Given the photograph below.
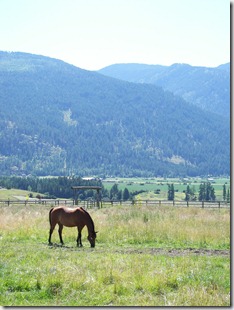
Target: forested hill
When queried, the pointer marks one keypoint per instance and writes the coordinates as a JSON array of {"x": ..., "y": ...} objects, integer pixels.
[
  {"x": 56, "y": 119},
  {"x": 207, "y": 88}
]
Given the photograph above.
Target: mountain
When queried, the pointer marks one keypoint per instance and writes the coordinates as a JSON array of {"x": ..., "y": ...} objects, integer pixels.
[
  {"x": 57, "y": 119},
  {"x": 207, "y": 88}
]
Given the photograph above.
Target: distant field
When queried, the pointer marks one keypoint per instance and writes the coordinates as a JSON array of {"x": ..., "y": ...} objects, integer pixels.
[
  {"x": 150, "y": 185},
  {"x": 153, "y": 184},
  {"x": 12, "y": 194}
]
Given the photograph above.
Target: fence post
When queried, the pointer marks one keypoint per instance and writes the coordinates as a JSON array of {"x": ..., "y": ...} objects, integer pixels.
[
  {"x": 187, "y": 203},
  {"x": 202, "y": 203}
]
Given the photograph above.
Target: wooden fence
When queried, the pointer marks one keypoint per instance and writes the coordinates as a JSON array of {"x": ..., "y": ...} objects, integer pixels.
[{"x": 108, "y": 203}]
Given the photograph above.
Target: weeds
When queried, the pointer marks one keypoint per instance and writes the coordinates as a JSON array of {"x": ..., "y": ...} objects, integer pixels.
[{"x": 35, "y": 274}]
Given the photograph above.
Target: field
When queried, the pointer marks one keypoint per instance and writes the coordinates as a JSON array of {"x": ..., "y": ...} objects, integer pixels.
[
  {"x": 144, "y": 256},
  {"x": 13, "y": 194},
  {"x": 153, "y": 184}
]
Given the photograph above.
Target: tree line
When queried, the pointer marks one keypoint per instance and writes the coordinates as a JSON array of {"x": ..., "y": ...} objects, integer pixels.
[
  {"x": 206, "y": 193},
  {"x": 61, "y": 187}
]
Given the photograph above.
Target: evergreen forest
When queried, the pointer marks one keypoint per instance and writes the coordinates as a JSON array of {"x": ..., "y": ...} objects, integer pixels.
[{"x": 59, "y": 120}]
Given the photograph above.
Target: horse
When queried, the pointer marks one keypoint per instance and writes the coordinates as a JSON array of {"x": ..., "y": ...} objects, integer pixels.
[{"x": 70, "y": 218}]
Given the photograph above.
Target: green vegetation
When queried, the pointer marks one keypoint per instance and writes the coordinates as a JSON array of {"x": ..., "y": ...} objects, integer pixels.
[
  {"x": 157, "y": 188},
  {"x": 208, "y": 88},
  {"x": 50, "y": 187},
  {"x": 56, "y": 119},
  {"x": 143, "y": 257},
  {"x": 120, "y": 189}
]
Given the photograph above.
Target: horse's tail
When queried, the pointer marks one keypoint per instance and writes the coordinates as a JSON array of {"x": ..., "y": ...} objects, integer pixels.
[{"x": 50, "y": 215}]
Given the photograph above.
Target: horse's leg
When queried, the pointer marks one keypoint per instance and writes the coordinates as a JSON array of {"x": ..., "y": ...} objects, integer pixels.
[
  {"x": 50, "y": 234},
  {"x": 60, "y": 232},
  {"x": 79, "y": 243}
]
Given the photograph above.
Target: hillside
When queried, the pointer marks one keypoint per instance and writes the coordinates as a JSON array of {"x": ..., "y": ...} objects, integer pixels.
[
  {"x": 207, "y": 88},
  {"x": 57, "y": 119}
]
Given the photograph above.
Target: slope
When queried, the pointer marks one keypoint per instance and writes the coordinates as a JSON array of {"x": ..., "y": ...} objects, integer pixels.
[
  {"x": 207, "y": 88},
  {"x": 56, "y": 119}
]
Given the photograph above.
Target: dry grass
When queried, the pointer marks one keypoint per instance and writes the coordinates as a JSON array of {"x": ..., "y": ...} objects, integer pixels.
[
  {"x": 170, "y": 226},
  {"x": 35, "y": 274}
]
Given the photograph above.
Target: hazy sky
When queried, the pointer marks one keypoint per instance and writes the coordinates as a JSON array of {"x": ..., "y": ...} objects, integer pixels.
[{"x": 92, "y": 34}]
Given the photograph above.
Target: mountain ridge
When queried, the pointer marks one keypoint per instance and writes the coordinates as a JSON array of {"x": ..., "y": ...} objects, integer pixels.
[
  {"x": 205, "y": 87},
  {"x": 58, "y": 119}
]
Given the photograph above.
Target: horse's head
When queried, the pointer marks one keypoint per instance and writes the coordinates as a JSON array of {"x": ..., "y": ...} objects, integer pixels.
[{"x": 91, "y": 237}]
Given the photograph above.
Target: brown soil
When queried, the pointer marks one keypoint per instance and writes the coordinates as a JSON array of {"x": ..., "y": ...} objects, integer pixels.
[
  {"x": 175, "y": 252},
  {"x": 155, "y": 251}
]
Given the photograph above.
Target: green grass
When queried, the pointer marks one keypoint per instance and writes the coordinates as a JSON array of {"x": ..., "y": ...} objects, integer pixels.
[
  {"x": 123, "y": 269},
  {"x": 152, "y": 184},
  {"x": 147, "y": 184},
  {"x": 12, "y": 194}
]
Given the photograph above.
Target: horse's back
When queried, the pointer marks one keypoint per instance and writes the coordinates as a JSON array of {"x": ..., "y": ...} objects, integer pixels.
[{"x": 69, "y": 217}]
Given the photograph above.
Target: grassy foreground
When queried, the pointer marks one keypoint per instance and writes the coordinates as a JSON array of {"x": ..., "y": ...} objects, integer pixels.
[{"x": 125, "y": 268}]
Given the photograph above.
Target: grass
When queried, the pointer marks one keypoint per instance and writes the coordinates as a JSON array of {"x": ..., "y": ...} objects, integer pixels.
[
  {"x": 121, "y": 270},
  {"x": 12, "y": 194},
  {"x": 152, "y": 184}
]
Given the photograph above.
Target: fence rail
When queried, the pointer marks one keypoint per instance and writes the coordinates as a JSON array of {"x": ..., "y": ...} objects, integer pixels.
[{"x": 107, "y": 203}]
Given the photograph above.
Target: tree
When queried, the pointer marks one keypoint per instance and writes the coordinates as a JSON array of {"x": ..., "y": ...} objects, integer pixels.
[
  {"x": 114, "y": 191},
  {"x": 206, "y": 192},
  {"x": 202, "y": 191},
  {"x": 171, "y": 192},
  {"x": 224, "y": 192},
  {"x": 228, "y": 195},
  {"x": 190, "y": 193},
  {"x": 187, "y": 193},
  {"x": 126, "y": 194}
]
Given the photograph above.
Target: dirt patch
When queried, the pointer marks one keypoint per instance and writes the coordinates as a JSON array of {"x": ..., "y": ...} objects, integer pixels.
[
  {"x": 175, "y": 252},
  {"x": 152, "y": 251}
]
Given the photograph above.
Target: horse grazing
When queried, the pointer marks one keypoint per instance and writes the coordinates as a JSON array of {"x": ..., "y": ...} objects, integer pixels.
[{"x": 71, "y": 218}]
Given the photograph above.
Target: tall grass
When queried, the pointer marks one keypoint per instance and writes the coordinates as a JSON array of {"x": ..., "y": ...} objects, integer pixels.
[
  {"x": 165, "y": 226},
  {"x": 118, "y": 271}
]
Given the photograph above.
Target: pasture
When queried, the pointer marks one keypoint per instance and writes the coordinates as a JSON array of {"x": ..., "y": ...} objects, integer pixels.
[
  {"x": 144, "y": 256},
  {"x": 150, "y": 185}
]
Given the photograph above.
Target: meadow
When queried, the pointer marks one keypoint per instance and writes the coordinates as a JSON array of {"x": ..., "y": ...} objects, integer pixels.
[
  {"x": 150, "y": 185},
  {"x": 144, "y": 256}
]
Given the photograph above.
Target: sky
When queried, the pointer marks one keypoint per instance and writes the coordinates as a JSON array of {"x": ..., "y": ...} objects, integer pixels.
[{"x": 92, "y": 34}]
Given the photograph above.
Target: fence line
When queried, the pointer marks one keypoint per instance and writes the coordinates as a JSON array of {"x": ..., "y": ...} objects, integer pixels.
[{"x": 107, "y": 203}]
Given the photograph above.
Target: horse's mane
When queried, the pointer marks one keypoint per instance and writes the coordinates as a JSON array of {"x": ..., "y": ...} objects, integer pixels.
[{"x": 88, "y": 216}]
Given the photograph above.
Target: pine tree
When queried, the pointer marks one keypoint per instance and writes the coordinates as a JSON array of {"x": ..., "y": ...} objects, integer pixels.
[
  {"x": 224, "y": 192},
  {"x": 206, "y": 192},
  {"x": 126, "y": 194},
  {"x": 187, "y": 193},
  {"x": 202, "y": 191},
  {"x": 228, "y": 196},
  {"x": 171, "y": 192},
  {"x": 114, "y": 192}
]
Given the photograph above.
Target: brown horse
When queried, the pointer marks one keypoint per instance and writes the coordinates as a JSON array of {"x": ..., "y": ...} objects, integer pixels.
[{"x": 71, "y": 218}]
